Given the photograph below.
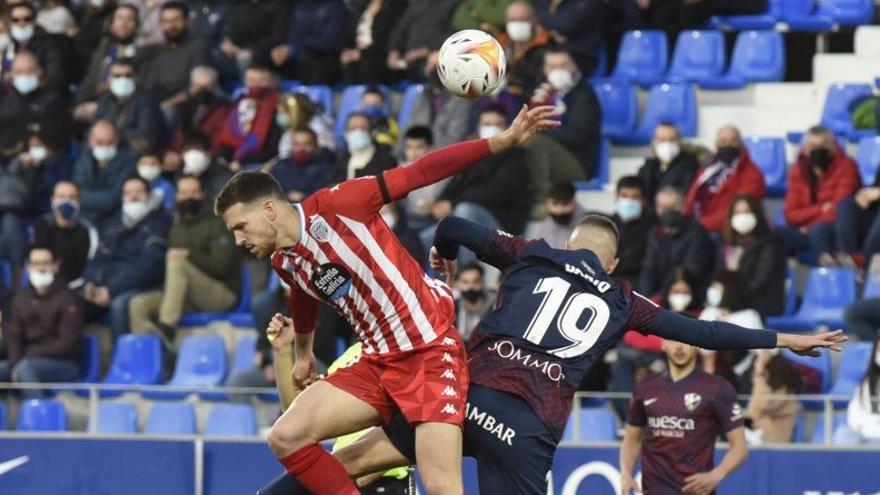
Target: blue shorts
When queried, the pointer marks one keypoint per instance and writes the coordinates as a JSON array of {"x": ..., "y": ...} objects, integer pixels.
[{"x": 513, "y": 448}]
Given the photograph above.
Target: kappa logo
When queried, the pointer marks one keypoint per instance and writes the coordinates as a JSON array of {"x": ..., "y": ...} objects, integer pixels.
[
  {"x": 449, "y": 392},
  {"x": 448, "y": 374},
  {"x": 448, "y": 341},
  {"x": 447, "y": 358},
  {"x": 449, "y": 409},
  {"x": 692, "y": 401},
  {"x": 319, "y": 229}
]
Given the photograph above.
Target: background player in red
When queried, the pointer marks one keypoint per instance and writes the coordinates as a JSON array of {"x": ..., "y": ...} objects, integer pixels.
[
  {"x": 674, "y": 419},
  {"x": 335, "y": 248}
]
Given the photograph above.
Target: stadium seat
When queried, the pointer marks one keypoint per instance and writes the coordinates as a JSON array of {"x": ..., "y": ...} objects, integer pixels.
[
  {"x": 319, "y": 94},
  {"x": 835, "y": 112},
  {"x": 821, "y": 364},
  {"x": 201, "y": 362},
  {"x": 826, "y": 295},
  {"x": 243, "y": 306},
  {"x": 698, "y": 57},
  {"x": 408, "y": 104},
  {"x": 245, "y": 350},
  {"x": 758, "y": 56},
  {"x": 232, "y": 420},
  {"x": 42, "y": 415},
  {"x": 868, "y": 158},
  {"x": 847, "y": 12},
  {"x": 115, "y": 418},
  {"x": 765, "y": 20},
  {"x": 89, "y": 364},
  {"x": 801, "y": 15},
  {"x": 837, "y": 419},
  {"x": 769, "y": 155},
  {"x": 5, "y": 274},
  {"x": 620, "y": 107},
  {"x": 601, "y": 69},
  {"x": 872, "y": 285},
  {"x": 642, "y": 58},
  {"x": 3, "y": 425},
  {"x": 672, "y": 102},
  {"x": 597, "y": 424},
  {"x": 602, "y": 170},
  {"x": 246, "y": 320},
  {"x": 798, "y": 434},
  {"x": 351, "y": 101},
  {"x": 853, "y": 365},
  {"x": 137, "y": 360},
  {"x": 171, "y": 418}
]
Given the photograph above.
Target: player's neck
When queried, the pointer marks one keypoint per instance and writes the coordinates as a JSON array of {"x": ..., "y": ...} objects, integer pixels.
[
  {"x": 677, "y": 373},
  {"x": 289, "y": 228}
]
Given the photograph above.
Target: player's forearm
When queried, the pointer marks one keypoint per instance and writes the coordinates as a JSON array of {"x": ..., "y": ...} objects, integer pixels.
[
  {"x": 453, "y": 232},
  {"x": 734, "y": 458},
  {"x": 439, "y": 164},
  {"x": 283, "y": 362},
  {"x": 303, "y": 342},
  {"x": 715, "y": 335},
  {"x": 629, "y": 451}
]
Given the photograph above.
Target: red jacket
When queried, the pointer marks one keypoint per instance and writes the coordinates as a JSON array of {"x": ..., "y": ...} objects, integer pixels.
[
  {"x": 747, "y": 179},
  {"x": 839, "y": 181}
]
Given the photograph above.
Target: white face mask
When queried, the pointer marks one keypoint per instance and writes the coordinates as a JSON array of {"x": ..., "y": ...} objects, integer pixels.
[
  {"x": 629, "y": 209},
  {"x": 149, "y": 172},
  {"x": 104, "y": 153},
  {"x": 134, "y": 211},
  {"x": 666, "y": 151},
  {"x": 679, "y": 302},
  {"x": 38, "y": 153},
  {"x": 713, "y": 296},
  {"x": 122, "y": 87},
  {"x": 97, "y": 3},
  {"x": 4, "y": 41},
  {"x": 26, "y": 83},
  {"x": 560, "y": 79},
  {"x": 488, "y": 131},
  {"x": 41, "y": 280},
  {"x": 519, "y": 31},
  {"x": 22, "y": 33},
  {"x": 195, "y": 162},
  {"x": 743, "y": 223},
  {"x": 357, "y": 140}
]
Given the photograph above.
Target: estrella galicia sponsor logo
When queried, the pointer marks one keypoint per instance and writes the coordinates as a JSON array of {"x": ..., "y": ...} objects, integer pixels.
[{"x": 331, "y": 280}]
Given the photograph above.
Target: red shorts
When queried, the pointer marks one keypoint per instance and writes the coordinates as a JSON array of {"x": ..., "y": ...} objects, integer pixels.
[{"x": 427, "y": 385}]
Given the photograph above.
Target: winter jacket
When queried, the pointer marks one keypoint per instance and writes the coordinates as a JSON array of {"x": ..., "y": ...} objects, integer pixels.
[
  {"x": 212, "y": 249},
  {"x": 170, "y": 68},
  {"x": 138, "y": 118},
  {"x": 101, "y": 187},
  {"x": 680, "y": 174},
  {"x": 18, "y": 112},
  {"x": 45, "y": 326},
  {"x": 690, "y": 248},
  {"x": 806, "y": 194},
  {"x": 306, "y": 178},
  {"x": 581, "y": 126},
  {"x": 710, "y": 206},
  {"x": 633, "y": 244},
  {"x": 763, "y": 265}
]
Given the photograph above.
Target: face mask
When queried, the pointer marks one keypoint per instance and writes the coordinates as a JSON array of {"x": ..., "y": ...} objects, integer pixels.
[
  {"x": 104, "y": 153},
  {"x": 38, "y": 153},
  {"x": 22, "y": 33},
  {"x": 97, "y": 3},
  {"x": 390, "y": 219},
  {"x": 203, "y": 97},
  {"x": 488, "y": 131},
  {"x": 727, "y": 154},
  {"x": 821, "y": 157},
  {"x": 282, "y": 120},
  {"x": 301, "y": 157},
  {"x": 189, "y": 207},
  {"x": 560, "y": 79},
  {"x": 66, "y": 208},
  {"x": 666, "y": 151},
  {"x": 713, "y": 296},
  {"x": 629, "y": 209},
  {"x": 357, "y": 140},
  {"x": 26, "y": 84},
  {"x": 4, "y": 41},
  {"x": 562, "y": 218},
  {"x": 471, "y": 295},
  {"x": 122, "y": 87},
  {"x": 134, "y": 211},
  {"x": 373, "y": 111},
  {"x": 743, "y": 223},
  {"x": 41, "y": 280},
  {"x": 672, "y": 218},
  {"x": 195, "y": 162},
  {"x": 519, "y": 31},
  {"x": 149, "y": 172},
  {"x": 679, "y": 302}
]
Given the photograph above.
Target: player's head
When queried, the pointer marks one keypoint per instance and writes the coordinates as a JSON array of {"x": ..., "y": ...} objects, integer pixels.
[
  {"x": 417, "y": 142},
  {"x": 598, "y": 234},
  {"x": 678, "y": 354},
  {"x": 251, "y": 204},
  {"x": 560, "y": 203},
  {"x": 491, "y": 121},
  {"x": 469, "y": 282}
]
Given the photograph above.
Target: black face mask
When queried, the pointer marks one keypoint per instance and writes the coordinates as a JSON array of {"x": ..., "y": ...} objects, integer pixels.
[
  {"x": 562, "y": 218},
  {"x": 203, "y": 97},
  {"x": 471, "y": 295},
  {"x": 821, "y": 157},
  {"x": 189, "y": 207},
  {"x": 672, "y": 219},
  {"x": 727, "y": 154}
]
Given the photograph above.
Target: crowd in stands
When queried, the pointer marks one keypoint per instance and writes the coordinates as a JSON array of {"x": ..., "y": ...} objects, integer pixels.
[{"x": 121, "y": 121}]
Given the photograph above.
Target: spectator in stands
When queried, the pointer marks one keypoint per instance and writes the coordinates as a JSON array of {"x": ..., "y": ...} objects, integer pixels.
[
  {"x": 670, "y": 164},
  {"x": 306, "y": 170},
  {"x": 28, "y": 105},
  {"x": 366, "y": 40},
  {"x": 55, "y": 18},
  {"x": 752, "y": 249},
  {"x": 524, "y": 42},
  {"x": 773, "y": 419},
  {"x": 635, "y": 222},
  {"x": 416, "y": 35},
  {"x": 408, "y": 237},
  {"x": 362, "y": 155},
  {"x": 42, "y": 151},
  {"x": 448, "y": 116},
  {"x": 18, "y": 184},
  {"x": 863, "y": 411},
  {"x": 169, "y": 71},
  {"x": 863, "y": 318},
  {"x": 149, "y": 168},
  {"x": 310, "y": 54},
  {"x": 43, "y": 329},
  {"x": 136, "y": 114},
  {"x": 5, "y": 48},
  {"x": 101, "y": 169},
  {"x": 297, "y": 112},
  {"x": 72, "y": 238},
  {"x": 28, "y": 37},
  {"x": 822, "y": 176},
  {"x": 563, "y": 213},
  {"x": 680, "y": 295},
  {"x": 676, "y": 241},
  {"x": 672, "y": 15},
  {"x": 384, "y": 127},
  {"x": 205, "y": 110},
  {"x": 197, "y": 162},
  {"x": 576, "y": 26},
  {"x": 94, "y": 16},
  {"x": 730, "y": 172},
  {"x": 473, "y": 299},
  {"x": 581, "y": 116},
  {"x": 417, "y": 142},
  {"x": 208, "y": 19},
  {"x": 252, "y": 30},
  {"x": 486, "y": 15},
  {"x": 857, "y": 226},
  {"x": 249, "y": 135},
  {"x": 130, "y": 257},
  {"x": 201, "y": 266}
]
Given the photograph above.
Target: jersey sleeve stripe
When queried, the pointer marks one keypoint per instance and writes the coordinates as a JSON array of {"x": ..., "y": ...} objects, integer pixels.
[{"x": 383, "y": 188}]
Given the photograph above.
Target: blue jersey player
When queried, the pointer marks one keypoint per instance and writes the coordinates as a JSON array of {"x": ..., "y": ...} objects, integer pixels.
[{"x": 557, "y": 312}]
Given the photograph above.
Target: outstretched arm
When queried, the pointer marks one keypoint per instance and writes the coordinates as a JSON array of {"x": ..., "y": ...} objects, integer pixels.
[{"x": 495, "y": 247}]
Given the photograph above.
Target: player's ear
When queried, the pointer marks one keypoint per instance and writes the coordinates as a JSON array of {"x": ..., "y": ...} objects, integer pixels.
[
  {"x": 609, "y": 270},
  {"x": 270, "y": 209}
]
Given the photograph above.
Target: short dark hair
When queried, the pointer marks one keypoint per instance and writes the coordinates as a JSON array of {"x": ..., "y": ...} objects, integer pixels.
[
  {"x": 472, "y": 266},
  {"x": 556, "y": 50},
  {"x": 196, "y": 139},
  {"x": 562, "y": 192},
  {"x": 736, "y": 294},
  {"x": 420, "y": 132},
  {"x": 140, "y": 179},
  {"x": 47, "y": 247},
  {"x": 819, "y": 130},
  {"x": 176, "y": 5},
  {"x": 601, "y": 222},
  {"x": 247, "y": 187},
  {"x": 373, "y": 90},
  {"x": 125, "y": 61},
  {"x": 358, "y": 114},
  {"x": 494, "y": 108},
  {"x": 309, "y": 131},
  {"x": 67, "y": 181},
  {"x": 257, "y": 66},
  {"x": 131, "y": 7},
  {"x": 631, "y": 182}
]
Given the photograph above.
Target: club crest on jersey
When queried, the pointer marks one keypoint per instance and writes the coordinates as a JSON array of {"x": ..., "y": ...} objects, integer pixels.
[
  {"x": 331, "y": 280},
  {"x": 319, "y": 229},
  {"x": 692, "y": 401}
]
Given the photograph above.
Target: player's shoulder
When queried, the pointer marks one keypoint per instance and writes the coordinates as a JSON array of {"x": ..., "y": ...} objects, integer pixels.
[
  {"x": 717, "y": 384},
  {"x": 649, "y": 382}
]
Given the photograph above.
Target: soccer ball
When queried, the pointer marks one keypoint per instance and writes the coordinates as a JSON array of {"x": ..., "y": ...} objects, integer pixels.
[{"x": 472, "y": 63}]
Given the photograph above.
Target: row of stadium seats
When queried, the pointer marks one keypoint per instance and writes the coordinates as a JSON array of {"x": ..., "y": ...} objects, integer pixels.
[{"x": 803, "y": 15}]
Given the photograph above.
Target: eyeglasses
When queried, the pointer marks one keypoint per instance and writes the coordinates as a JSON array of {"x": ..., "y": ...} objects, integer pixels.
[{"x": 22, "y": 20}]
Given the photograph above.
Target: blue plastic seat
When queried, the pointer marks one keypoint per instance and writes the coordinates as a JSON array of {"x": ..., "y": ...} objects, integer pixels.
[
  {"x": 764, "y": 20},
  {"x": 408, "y": 103},
  {"x": 351, "y": 101},
  {"x": 835, "y": 113},
  {"x": 837, "y": 419},
  {"x": 769, "y": 155},
  {"x": 171, "y": 418},
  {"x": 89, "y": 364},
  {"x": 6, "y": 274},
  {"x": 602, "y": 170},
  {"x": 245, "y": 350},
  {"x": 848, "y": 12},
  {"x": 201, "y": 362},
  {"x": 802, "y": 15},
  {"x": 673, "y": 102},
  {"x": 868, "y": 158},
  {"x": 243, "y": 306},
  {"x": 137, "y": 360},
  {"x": 601, "y": 69},
  {"x": 698, "y": 57},
  {"x": 799, "y": 435},
  {"x": 826, "y": 295},
  {"x": 620, "y": 107},
  {"x": 42, "y": 415},
  {"x": 758, "y": 56},
  {"x": 872, "y": 286},
  {"x": 821, "y": 364},
  {"x": 115, "y": 418},
  {"x": 232, "y": 420},
  {"x": 642, "y": 58},
  {"x": 853, "y": 364},
  {"x": 319, "y": 94},
  {"x": 3, "y": 425}
]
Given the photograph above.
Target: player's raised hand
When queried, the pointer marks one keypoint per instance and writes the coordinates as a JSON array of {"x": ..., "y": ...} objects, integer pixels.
[
  {"x": 524, "y": 126},
  {"x": 280, "y": 332},
  {"x": 628, "y": 484},
  {"x": 809, "y": 345},
  {"x": 443, "y": 266}
]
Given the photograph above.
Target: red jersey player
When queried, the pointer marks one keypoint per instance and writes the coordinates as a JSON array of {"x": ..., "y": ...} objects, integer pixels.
[{"x": 335, "y": 248}]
